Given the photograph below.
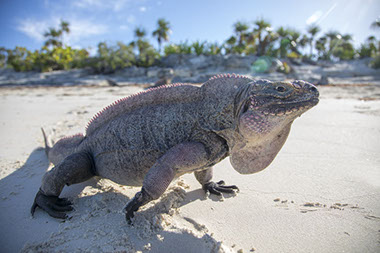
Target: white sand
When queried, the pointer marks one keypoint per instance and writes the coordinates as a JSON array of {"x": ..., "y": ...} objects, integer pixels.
[{"x": 321, "y": 194}]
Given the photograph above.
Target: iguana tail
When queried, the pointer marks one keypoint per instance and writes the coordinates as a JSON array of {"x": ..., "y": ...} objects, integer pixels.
[
  {"x": 47, "y": 147},
  {"x": 62, "y": 148}
]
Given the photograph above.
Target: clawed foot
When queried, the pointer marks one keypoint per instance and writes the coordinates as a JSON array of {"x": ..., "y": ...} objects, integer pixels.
[
  {"x": 140, "y": 199},
  {"x": 54, "y": 206},
  {"x": 219, "y": 187}
]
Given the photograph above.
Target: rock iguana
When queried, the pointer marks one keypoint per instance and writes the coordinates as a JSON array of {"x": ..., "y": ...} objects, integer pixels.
[{"x": 150, "y": 138}]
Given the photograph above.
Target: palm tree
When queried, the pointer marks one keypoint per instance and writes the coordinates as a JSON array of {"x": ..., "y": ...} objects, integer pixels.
[
  {"x": 376, "y": 24},
  {"x": 344, "y": 49},
  {"x": 369, "y": 47},
  {"x": 295, "y": 41},
  {"x": 64, "y": 28},
  {"x": 230, "y": 42},
  {"x": 258, "y": 32},
  {"x": 312, "y": 30},
  {"x": 140, "y": 33},
  {"x": 304, "y": 40},
  {"x": 162, "y": 32},
  {"x": 333, "y": 37},
  {"x": 55, "y": 36},
  {"x": 240, "y": 29},
  {"x": 320, "y": 45},
  {"x": 283, "y": 35}
]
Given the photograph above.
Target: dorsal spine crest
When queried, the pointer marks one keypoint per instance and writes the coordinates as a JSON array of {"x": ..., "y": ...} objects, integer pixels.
[
  {"x": 233, "y": 75},
  {"x": 102, "y": 114}
]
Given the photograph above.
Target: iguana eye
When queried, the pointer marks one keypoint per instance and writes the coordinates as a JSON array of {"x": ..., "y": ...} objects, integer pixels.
[{"x": 280, "y": 88}]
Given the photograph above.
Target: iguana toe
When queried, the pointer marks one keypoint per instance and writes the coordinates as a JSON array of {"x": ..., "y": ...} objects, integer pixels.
[
  {"x": 53, "y": 205},
  {"x": 219, "y": 187},
  {"x": 140, "y": 199}
]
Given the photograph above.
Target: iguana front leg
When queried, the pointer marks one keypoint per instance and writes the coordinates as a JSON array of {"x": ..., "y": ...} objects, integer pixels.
[
  {"x": 181, "y": 158},
  {"x": 204, "y": 178}
]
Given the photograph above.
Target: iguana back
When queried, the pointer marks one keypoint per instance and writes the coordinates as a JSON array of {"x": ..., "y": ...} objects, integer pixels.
[{"x": 161, "y": 95}]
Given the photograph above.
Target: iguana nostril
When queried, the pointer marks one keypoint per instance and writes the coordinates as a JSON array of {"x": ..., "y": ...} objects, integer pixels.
[{"x": 313, "y": 89}]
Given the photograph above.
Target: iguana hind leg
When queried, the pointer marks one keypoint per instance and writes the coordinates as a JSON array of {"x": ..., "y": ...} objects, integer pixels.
[
  {"x": 74, "y": 169},
  {"x": 204, "y": 178}
]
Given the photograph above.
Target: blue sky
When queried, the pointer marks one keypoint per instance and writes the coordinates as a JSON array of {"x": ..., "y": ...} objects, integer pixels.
[{"x": 22, "y": 23}]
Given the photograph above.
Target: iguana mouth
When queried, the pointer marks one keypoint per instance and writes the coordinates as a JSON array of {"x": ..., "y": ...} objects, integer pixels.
[
  {"x": 280, "y": 109},
  {"x": 309, "y": 102}
]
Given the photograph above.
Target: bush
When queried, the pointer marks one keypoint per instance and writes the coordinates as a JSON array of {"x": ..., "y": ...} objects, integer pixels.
[
  {"x": 171, "y": 49},
  {"x": 344, "y": 51},
  {"x": 110, "y": 59},
  {"x": 58, "y": 58},
  {"x": 196, "y": 47},
  {"x": 375, "y": 63},
  {"x": 364, "y": 51},
  {"x": 199, "y": 47},
  {"x": 3, "y": 57},
  {"x": 147, "y": 54},
  {"x": 213, "y": 49},
  {"x": 20, "y": 59},
  {"x": 181, "y": 48}
]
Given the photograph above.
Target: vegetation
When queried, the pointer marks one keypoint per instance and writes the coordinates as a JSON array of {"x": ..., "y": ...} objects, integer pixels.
[
  {"x": 312, "y": 30},
  {"x": 111, "y": 58},
  {"x": 58, "y": 58},
  {"x": 256, "y": 38},
  {"x": 55, "y": 36},
  {"x": 162, "y": 32}
]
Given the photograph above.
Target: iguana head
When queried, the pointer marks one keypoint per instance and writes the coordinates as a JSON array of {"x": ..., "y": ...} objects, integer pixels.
[
  {"x": 264, "y": 106},
  {"x": 264, "y": 113}
]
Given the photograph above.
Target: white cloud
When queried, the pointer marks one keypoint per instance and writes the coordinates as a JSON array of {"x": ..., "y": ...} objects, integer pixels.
[
  {"x": 33, "y": 29},
  {"x": 142, "y": 8},
  {"x": 88, "y": 3},
  {"x": 79, "y": 29},
  {"x": 131, "y": 19},
  {"x": 124, "y": 27},
  {"x": 115, "y": 5}
]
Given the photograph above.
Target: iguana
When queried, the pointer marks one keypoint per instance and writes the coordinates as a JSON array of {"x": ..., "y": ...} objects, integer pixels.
[{"x": 150, "y": 138}]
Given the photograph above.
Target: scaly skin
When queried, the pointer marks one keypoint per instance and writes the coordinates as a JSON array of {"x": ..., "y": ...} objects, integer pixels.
[{"x": 149, "y": 139}]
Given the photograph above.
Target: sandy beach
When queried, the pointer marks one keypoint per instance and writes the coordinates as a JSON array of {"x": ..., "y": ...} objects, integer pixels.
[{"x": 321, "y": 193}]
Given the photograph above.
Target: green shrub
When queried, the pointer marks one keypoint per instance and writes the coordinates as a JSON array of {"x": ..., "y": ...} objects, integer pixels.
[
  {"x": 199, "y": 47},
  {"x": 147, "y": 54},
  {"x": 184, "y": 48},
  {"x": 364, "y": 51},
  {"x": 213, "y": 49},
  {"x": 110, "y": 59},
  {"x": 171, "y": 49},
  {"x": 58, "y": 58},
  {"x": 375, "y": 63},
  {"x": 20, "y": 59},
  {"x": 181, "y": 48},
  {"x": 3, "y": 57},
  {"x": 344, "y": 51}
]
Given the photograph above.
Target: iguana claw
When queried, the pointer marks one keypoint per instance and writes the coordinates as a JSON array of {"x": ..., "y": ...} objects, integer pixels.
[
  {"x": 53, "y": 205},
  {"x": 140, "y": 199},
  {"x": 219, "y": 187}
]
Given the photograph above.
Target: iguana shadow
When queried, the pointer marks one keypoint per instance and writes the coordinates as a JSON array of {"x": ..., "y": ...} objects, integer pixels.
[{"x": 17, "y": 191}]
